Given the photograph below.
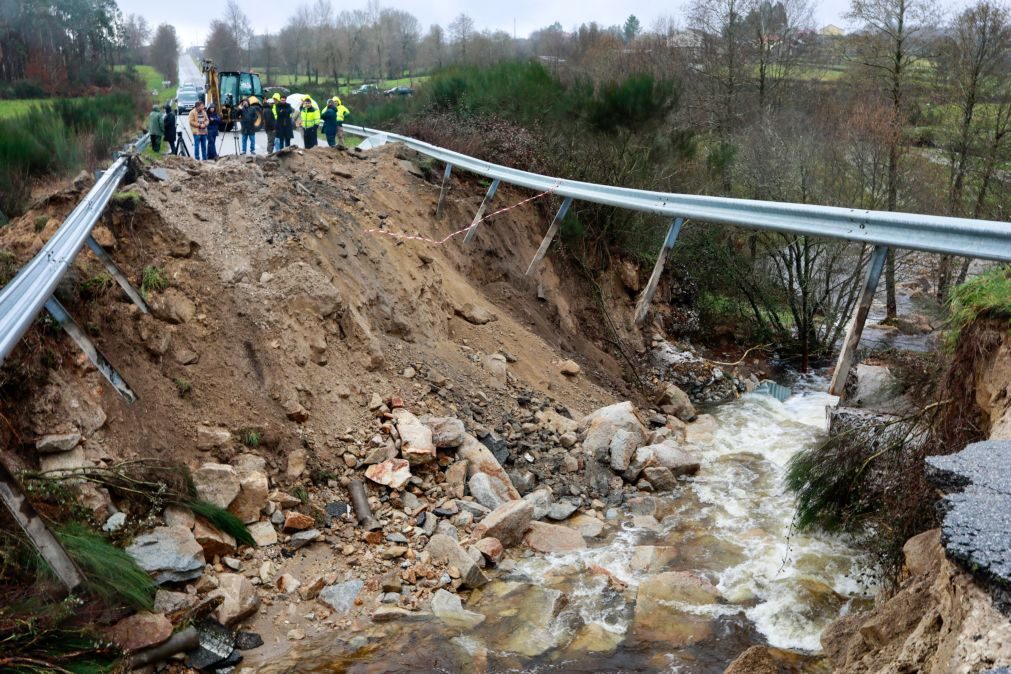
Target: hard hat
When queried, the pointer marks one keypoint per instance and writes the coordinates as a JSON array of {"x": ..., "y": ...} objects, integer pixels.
[
  {"x": 277, "y": 96},
  {"x": 253, "y": 100},
  {"x": 335, "y": 99}
]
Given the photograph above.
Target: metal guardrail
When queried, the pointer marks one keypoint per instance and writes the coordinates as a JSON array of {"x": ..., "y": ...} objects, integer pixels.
[
  {"x": 984, "y": 239},
  {"x": 26, "y": 294}
]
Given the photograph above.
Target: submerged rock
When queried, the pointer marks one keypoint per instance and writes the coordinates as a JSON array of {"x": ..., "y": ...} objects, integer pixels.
[
  {"x": 524, "y": 615},
  {"x": 447, "y": 607},
  {"x": 657, "y": 617}
]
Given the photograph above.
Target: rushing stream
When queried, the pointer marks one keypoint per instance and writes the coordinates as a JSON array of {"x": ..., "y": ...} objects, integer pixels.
[{"x": 725, "y": 538}]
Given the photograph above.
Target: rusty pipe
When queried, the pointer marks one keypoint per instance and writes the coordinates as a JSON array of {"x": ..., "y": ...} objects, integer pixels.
[{"x": 360, "y": 502}]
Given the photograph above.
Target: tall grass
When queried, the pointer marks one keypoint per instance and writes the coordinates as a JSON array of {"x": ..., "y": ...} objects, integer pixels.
[
  {"x": 987, "y": 296},
  {"x": 56, "y": 138}
]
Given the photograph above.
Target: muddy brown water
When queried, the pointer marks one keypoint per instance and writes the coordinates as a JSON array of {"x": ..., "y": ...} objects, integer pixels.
[{"x": 751, "y": 579}]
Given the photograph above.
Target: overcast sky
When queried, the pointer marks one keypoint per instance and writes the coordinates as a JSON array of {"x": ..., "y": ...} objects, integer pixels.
[{"x": 191, "y": 17}]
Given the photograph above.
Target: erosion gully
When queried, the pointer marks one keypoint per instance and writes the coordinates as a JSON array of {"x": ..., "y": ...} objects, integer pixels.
[{"x": 731, "y": 524}]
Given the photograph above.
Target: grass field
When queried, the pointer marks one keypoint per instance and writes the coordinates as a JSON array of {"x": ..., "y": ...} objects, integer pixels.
[
  {"x": 152, "y": 80},
  {"x": 19, "y": 107}
]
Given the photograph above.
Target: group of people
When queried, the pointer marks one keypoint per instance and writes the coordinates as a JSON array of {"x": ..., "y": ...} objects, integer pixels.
[
  {"x": 279, "y": 120},
  {"x": 275, "y": 115}
]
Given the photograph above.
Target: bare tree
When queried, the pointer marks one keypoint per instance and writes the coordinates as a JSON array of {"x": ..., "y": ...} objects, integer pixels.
[
  {"x": 242, "y": 31},
  {"x": 460, "y": 32},
  {"x": 165, "y": 52},
  {"x": 974, "y": 59},
  {"x": 722, "y": 63},
  {"x": 136, "y": 34},
  {"x": 774, "y": 31},
  {"x": 887, "y": 51},
  {"x": 221, "y": 46},
  {"x": 433, "y": 47}
]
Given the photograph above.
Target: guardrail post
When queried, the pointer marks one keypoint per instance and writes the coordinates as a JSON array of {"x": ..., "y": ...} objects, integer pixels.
[
  {"x": 442, "y": 192},
  {"x": 480, "y": 211},
  {"x": 856, "y": 326},
  {"x": 35, "y": 529},
  {"x": 549, "y": 237},
  {"x": 654, "y": 279},
  {"x": 61, "y": 315},
  {"x": 114, "y": 271}
]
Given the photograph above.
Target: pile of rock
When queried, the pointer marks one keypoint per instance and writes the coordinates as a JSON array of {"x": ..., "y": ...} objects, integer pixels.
[{"x": 702, "y": 379}]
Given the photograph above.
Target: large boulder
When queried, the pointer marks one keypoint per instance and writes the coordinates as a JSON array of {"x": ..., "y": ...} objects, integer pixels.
[
  {"x": 488, "y": 491},
  {"x": 673, "y": 400},
  {"x": 447, "y": 432},
  {"x": 171, "y": 554},
  {"x": 217, "y": 483},
  {"x": 507, "y": 523},
  {"x": 445, "y": 550},
  {"x": 239, "y": 599},
  {"x": 141, "y": 630},
  {"x": 666, "y": 454},
  {"x": 253, "y": 490},
  {"x": 481, "y": 460},
  {"x": 415, "y": 438},
  {"x": 599, "y": 428},
  {"x": 544, "y": 537}
]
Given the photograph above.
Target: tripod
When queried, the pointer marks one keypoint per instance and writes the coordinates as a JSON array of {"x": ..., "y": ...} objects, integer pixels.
[{"x": 181, "y": 149}]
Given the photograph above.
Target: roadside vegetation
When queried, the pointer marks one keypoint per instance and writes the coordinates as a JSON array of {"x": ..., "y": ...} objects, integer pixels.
[
  {"x": 43, "y": 630},
  {"x": 80, "y": 132}
]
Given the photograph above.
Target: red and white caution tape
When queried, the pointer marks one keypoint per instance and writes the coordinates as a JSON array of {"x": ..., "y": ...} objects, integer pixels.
[{"x": 439, "y": 242}]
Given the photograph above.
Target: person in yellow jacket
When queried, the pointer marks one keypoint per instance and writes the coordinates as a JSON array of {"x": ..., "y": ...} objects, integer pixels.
[
  {"x": 333, "y": 121},
  {"x": 310, "y": 122}
]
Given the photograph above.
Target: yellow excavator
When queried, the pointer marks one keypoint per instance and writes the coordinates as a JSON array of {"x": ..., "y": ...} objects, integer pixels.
[{"x": 227, "y": 88}]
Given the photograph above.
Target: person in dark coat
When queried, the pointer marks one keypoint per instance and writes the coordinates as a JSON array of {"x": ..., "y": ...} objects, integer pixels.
[
  {"x": 212, "y": 131},
  {"x": 329, "y": 118},
  {"x": 169, "y": 123},
  {"x": 269, "y": 120},
  {"x": 285, "y": 126}
]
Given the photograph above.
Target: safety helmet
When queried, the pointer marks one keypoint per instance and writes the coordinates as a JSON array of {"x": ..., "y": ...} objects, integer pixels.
[
  {"x": 253, "y": 100},
  {"x": 277, "y": 96}
]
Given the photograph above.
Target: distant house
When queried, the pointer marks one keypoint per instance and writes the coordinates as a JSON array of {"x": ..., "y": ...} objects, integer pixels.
[{"x": 831, "y": 30}]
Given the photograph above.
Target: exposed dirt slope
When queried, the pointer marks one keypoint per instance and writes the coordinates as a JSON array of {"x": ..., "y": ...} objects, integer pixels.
[{"x": 283, "y": 315}]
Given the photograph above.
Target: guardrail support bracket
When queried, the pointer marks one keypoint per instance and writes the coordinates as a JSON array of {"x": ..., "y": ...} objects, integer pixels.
[
  {"x": 654, "y": 278},
  {"x": 76, "y": 333},
  {"x": 34, "y": 527},
  {"x": 480, "y": 211},
  {"x": 856, "y": 326},
  {"x": 114, "y": 271},
  {"x": 442, "y": 192},
  {"x": 542, "y": 250}
]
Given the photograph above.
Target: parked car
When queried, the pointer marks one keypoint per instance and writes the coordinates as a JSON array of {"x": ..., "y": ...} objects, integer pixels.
[
  {"x": 365, "y": 89},
  {"x": 399, "y": 91},
  {"x": 186, "y": 100}
]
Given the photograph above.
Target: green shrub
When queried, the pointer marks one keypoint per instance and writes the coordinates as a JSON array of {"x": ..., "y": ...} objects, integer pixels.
[
  {"x": 252, "y": 438},
  {"x": 153, "y": 279},
  {"x": 183, "y": 386},
  {"x": 110, "y": 572},
  {"x": 59, "y": 151}
]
